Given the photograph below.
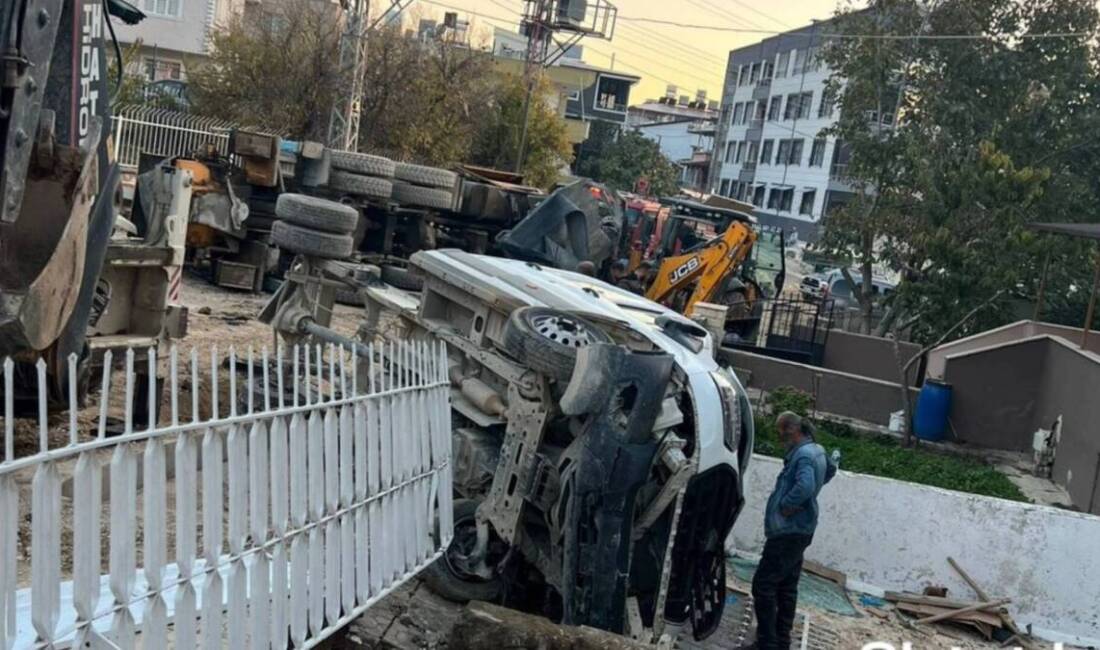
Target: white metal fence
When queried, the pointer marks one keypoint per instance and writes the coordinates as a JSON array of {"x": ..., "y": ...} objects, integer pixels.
[
  {"x": 160, "y": 132},
  {"x": 287, "y": 512}
]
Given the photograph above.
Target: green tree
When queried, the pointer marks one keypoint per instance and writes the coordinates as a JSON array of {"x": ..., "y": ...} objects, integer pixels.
[
  {"x": 623, "y": 161},
  {"x": 422, "y": 101},
  {"x": 548, "y": 150},
  {"x": 957, "y": 144},
  {"x": 274, "y": 68}
]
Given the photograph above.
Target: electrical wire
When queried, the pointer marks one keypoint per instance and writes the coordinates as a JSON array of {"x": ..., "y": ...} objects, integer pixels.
[{"x": 839, "y": 35}]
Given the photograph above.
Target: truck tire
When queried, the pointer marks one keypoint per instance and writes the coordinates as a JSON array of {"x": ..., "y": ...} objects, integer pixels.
[
  {"x": 362, "y": 163},
  {"x": 401, "y": 278},
  {"x": 425, "y": 176},
  {"x": 425, "y": 197},
  {"x": 316, "y": 213},
  {"x": 447, "y": 579},
  {"x": 307, "y": 241},
  {"x": 357, "y": 185},
  {"x": 546, "y": 340}
]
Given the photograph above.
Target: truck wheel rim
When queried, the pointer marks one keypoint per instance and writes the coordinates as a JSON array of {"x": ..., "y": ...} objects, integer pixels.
[{"x": 563, "y": 330}]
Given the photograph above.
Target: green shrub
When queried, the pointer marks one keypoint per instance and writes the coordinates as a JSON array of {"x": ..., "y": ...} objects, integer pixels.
[
  {"x": 789, "y": 398},
  {"x": 881, "y": 455}
]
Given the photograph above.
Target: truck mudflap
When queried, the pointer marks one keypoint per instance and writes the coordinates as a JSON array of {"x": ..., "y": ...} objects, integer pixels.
[
  {"x": 697, "y": 587},
  {"x": 621, "y": 392}
]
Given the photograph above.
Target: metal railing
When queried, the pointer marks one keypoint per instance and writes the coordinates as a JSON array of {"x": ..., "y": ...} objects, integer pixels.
[
  {"x": 145, "y": 130},
  {"x": 316, "y": 501}
]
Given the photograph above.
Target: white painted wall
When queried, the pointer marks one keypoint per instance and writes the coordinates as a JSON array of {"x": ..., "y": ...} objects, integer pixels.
[
  {"x": 673, "y": 138},
  {"x": 897, "y": 536}
]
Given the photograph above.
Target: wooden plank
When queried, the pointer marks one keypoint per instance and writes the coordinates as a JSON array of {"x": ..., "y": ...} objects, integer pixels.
[
  {"x": 823, "y": 571},
  {"x": 957, "y": 612},
  {"x": 924, "y": 611},
  {"x": 982, "y": 595},
  {"x": 920, "y": 599}
]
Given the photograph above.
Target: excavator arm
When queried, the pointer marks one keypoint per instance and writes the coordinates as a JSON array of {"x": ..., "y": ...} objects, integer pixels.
[{"x": 707, "y": 266}]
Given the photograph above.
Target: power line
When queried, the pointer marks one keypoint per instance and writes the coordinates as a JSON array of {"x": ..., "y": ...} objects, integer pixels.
[
  {"x": 838, "y": 35},
  {"x": 761, "y": 13},
  {"x": 694, "y": 55},
  {"x": 709, "y": 7},
  {"x": 666, "y": 41}
]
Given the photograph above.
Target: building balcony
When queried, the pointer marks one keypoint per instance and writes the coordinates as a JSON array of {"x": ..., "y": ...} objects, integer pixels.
[{"x": 762, "y": 89}]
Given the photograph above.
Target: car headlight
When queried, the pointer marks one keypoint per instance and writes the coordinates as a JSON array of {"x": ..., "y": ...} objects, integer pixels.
[{"x": 731, "y": 409}]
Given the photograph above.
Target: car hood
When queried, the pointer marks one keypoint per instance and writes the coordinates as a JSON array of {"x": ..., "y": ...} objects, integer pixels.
[{"x": 513, "y": 284}]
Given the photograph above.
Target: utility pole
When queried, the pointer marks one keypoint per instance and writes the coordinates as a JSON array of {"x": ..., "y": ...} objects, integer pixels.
[
  {"x": 541, "y": 20},
  {"x": 343, "y": 125}
]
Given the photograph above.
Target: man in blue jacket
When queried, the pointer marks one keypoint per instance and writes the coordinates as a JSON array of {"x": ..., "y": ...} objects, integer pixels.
[{"x": 789, "y": 524}]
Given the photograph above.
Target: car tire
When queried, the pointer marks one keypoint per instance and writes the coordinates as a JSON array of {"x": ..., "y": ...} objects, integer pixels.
[
  {"x": 425, "y": 197},
  {"x": 364, "y": 164},
  {"x": 317, "y": 214},
  {"x": 358, "y": 185},
  {"x": 401, "y": 278},
  {"x": 547, "y": 340},
  {"x": 306, "y": 241},
  {"x": 425, "y": 176},
  {"x": 449, "y": 582}
]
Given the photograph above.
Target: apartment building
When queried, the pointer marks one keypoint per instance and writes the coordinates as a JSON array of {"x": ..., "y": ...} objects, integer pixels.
[
  {"x": 770, "y": 150},
  {"x": 172, "y": 32}
]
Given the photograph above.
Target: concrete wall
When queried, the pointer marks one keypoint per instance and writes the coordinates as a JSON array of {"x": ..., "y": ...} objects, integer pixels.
[
  {"x": 839, "y": 393},
  {"x": 1069, "y": 386},
  {"x": 897, "y": 536},
  {"x": 995, "y": 392},
  {"x": 868, "y": 356},
  {"x": 937, "y": 359}
]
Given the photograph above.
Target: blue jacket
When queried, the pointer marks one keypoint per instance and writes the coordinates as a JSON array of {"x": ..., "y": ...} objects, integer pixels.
[{"x": 805, "y": 470}]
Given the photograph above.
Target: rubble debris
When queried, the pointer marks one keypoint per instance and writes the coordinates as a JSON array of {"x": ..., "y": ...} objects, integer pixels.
[
  {"x": 483, "y": 625},
  {"x": 1006, "y": 619},
  {"x": 820, "y": 570}
]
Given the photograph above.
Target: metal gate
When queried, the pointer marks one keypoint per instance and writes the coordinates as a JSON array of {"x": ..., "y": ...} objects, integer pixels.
[
  {"x": 162, "y": 133},
  {"x": 268, "y": 521}
]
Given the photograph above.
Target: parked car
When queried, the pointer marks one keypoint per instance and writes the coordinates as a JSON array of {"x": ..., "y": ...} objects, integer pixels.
[
  {"x": 813, "y": 287},
  {"x": 840, "y": 290},
  {"x": 599, "y": 449}
]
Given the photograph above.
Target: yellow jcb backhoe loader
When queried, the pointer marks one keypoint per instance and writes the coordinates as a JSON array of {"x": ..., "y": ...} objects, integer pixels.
[{"x": 706, "y": 254}]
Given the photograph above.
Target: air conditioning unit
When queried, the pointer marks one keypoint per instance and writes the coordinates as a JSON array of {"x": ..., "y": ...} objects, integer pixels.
[{"x": 572, "y": 12}]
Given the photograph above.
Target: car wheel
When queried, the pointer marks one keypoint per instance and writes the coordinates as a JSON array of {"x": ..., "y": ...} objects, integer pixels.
[
  {"x": 547, "y": 340},
  {"x": 447, "y": 577},
  {"x": 401, "y": 278},
  {"x": 425, "y": 197},
  {"x": 425, "y": 176},
  {"x": 307, "y": 241},
  {"x": 357, "y": 185},
  {"x": 316, "y": 213},
  {"x": 361, "y": 163}
]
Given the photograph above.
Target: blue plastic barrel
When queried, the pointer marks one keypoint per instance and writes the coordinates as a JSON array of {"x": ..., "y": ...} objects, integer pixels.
[{"x": 933, "y": 405}]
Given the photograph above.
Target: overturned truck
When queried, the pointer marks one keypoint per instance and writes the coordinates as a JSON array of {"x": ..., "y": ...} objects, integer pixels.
[{"x": 598, "y": 447}]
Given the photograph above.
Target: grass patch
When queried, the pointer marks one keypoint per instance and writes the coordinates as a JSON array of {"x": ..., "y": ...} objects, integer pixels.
[{"x": 884, "y": 456}]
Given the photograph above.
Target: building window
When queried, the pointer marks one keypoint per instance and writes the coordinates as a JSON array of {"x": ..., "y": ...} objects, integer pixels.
[
  {"x": 742, "y": 191},
  {"x": 740, "y": 152},
  {"x": 784, "y": 152},
  {"x": 612, "y": 94},
  {"x": 827, "y": 102},
  {"x": 798, "y": 106},
  {"x": 156, "y": 70},
  {"x": 799, "y": 61},
  {"x": 164, "y": 8},
  {"x": 795, "y": 157},
  {"x": 754, "y": 73},
  {"x": 758, "y": 196},
  {"x": 747, "y": 114},
  {"x": 766, "y": 152},
  {"x": 817, "y": 153},
  {"x": 760, "y": 110},
  {"x": 730, "y": 147},
  {"x": 774, "y": 107},
  {"x": 738, "y": 111},
  {"x": 725, "y": 191},
  {"x": 754, "y": 151},
  {"x": 769, "y": 70},
  {"x": 781, "y": 199},
  {"x": 806, "y": 205},
  {"x": 783, "y": 64},
  {"x": 813, "y": 59},
  {"x": 743, "y": 76}
]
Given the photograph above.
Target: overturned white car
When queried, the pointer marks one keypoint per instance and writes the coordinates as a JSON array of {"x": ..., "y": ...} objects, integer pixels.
[{"x": 598, "y": 447}]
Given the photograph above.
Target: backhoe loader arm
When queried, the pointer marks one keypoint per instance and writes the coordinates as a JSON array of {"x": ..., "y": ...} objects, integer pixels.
[{"x": 710, "y": 264}]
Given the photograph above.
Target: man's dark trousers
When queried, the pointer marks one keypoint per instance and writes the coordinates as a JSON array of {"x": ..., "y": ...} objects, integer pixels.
[{"x": 775, "y": 590}]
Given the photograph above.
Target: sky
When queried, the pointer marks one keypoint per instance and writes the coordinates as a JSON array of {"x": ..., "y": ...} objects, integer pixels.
[{"x": 691, "y": 59}]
